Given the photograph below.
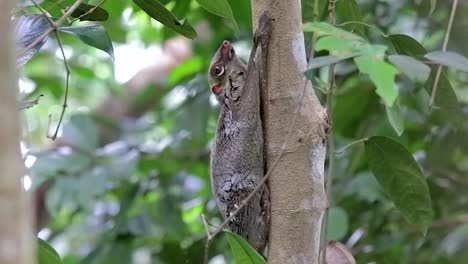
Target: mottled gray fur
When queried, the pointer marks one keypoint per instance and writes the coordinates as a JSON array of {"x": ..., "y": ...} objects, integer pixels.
[{"x": 237, "y": 160}]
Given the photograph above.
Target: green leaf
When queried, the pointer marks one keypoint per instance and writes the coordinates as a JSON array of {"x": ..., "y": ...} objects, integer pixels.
[
  {"x": 319, "y": 62},
  {"x": 395, "y": 118},
  {"x": 185, "y": 71},
  {"x": 407, "y": 45},
  {"x": 340, "y": 47},
  {"x": 94, "y": 35},
  {"x": 243, "y": 252},
  {"x": 349, "y": 11},
  {"x": 446, "y": 97},
  {"x": 338, "y": 223},
  {"x": 159, "y": 12},
  {"x": 414, "y": 69},
  {"x": 449, "y": 59},
  {"x": 98, "y": 13},
  {"x": 326, "y": 29},
  {"x": 433, "y": 7},
  {"x": 401, "y": 179},
  {"x": 366, "y": 187},
  {"x": 81, "y": 132},
  {"x": 51, "y": 164},
  {"x": 46, "y": 254},
  {"x": 218, "y": 7},
  {"x": 382, "y": 75},
  {"x": 27, "y": 29}
]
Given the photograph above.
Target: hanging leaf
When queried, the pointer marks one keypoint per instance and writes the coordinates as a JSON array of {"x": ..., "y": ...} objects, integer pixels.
[
  {"x": 97, "y": 13},
  {"x": 349, "y": 11},
  {"x": 395, "y": 118},
  {"x": 401, "y": 179},
  {"x": 218, "y": 7},
  {"x": 414, "y": 69},
  {"x": 159, "y": 12},
  {"x": 95, "y": 36},
  {"x": 46, "y": 254},
  {"x": 449, "y": 59},
  {"x": 407, "y": 45},
  {"x": 446, "y": 97},
  {"x": 28, "y": 28},
  {"x": 243, "y": 252},
  {"x": 382, "y": 75}
]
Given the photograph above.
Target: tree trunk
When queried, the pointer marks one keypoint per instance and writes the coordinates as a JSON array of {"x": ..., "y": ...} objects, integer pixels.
[
  {"x": 297, "y": 191},
  {"x": 16, "y": 240}
]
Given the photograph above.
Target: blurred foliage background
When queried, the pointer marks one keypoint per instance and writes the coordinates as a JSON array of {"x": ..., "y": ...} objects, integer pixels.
[{"x": 128, "y": 177}]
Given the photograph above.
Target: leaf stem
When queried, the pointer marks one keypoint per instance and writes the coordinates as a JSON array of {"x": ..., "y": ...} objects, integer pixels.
[
  {"x": 444, "y": 48},
  {"x": 351, "y": 144},
  {"x": 88, "y": 12},
  {"x": 364, "y": 24}
]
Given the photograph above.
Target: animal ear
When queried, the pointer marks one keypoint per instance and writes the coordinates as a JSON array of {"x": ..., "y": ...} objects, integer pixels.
[{"x": 216, "y": 88}]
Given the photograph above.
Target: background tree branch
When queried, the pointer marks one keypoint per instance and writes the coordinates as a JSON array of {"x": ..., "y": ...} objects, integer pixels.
[{"x": 17, "y": 244}]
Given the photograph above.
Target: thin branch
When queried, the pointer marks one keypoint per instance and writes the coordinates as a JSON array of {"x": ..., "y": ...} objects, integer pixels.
[
  {"x": 44, "y": 12},
  {"x": 350, "y": 144},
  {"x": 88, "y": 12},
  {"x": 364, "y": 24},
  {"x": 208, "y": 239},
  {"x": 28, "y": 104},
  {"x": 54, "y": 28},
  {"x": 65, "y": 99},
  {"x": 444, "y": 48},
  {"x": 450, "y": 222}
]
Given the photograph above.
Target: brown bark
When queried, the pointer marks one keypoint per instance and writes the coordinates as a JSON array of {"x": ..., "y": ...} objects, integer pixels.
[
  {"x": 297, "y": 191},
  {"x": 16, "y": 240}
]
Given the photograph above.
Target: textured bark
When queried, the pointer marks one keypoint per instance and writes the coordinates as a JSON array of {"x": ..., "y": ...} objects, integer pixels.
[
  {"x": 16, "y": 240},
  {"x": 297, "y": 192}
]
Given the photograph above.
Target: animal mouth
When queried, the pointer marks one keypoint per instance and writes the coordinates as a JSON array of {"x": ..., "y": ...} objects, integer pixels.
[{"x": 227, "y": 51}]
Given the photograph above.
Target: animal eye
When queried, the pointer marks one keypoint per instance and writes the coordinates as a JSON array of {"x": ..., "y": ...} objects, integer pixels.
[{"x": 218, "y": 70}]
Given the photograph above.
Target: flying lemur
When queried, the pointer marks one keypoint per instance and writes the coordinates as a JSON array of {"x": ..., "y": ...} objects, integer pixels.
[{"x": 237, "y": 159}]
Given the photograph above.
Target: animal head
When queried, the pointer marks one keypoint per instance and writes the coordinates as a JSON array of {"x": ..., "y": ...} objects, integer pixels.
[{"x": 226, "y": 73}]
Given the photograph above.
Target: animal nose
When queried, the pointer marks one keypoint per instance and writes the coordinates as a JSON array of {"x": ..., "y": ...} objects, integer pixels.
[{"x": 226, "y": 43}]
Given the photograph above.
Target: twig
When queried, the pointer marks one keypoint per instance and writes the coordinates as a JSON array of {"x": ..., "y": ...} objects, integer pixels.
[
  {"x": 364, "y": 24},
  {"x": 65, "y": 99},
  {"x": 28, "y": 104},
  {"x": 208, "y": 239},
  {"x": 331, "y": 144},
  {"x": 54, "y": 28},
  {"x": 88, "y": 12},
  {"x": 350, "y": 144},
  {"x": 443, "y": 223},
  {"x": 444, "y": 48}
]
